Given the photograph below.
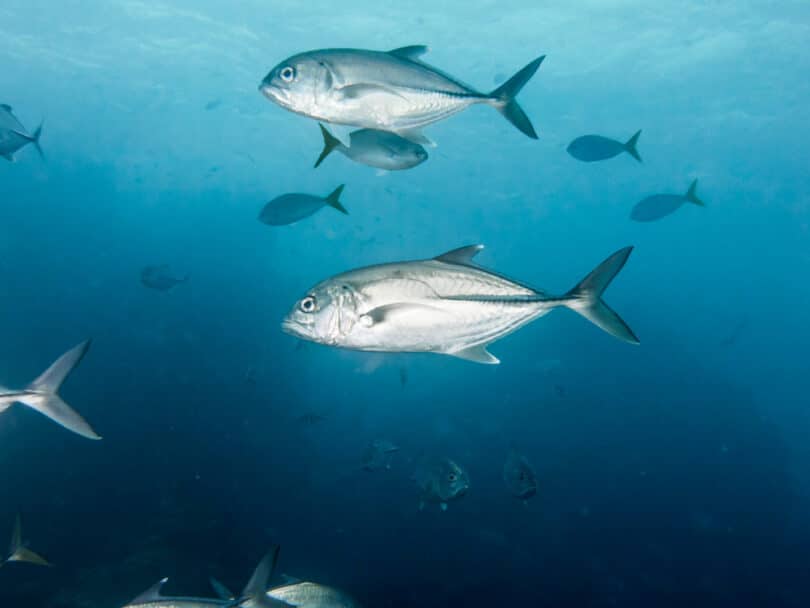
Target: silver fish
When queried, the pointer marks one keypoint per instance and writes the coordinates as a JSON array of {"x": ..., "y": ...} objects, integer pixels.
[
  {"x": 312, "y": 595},
  {"x": 18, "y": 552},
  {"x": 160, "y": 278},
  {"x": 377, "y": 455},
  {"x": 253, "y": 595},
  {"x": 660, "y": 205},
  {"x": 441, "y": 481},
  {"x": 290, "y": 208},
  {"x": 446, "y": 305},
  {"x": 387, "y": 91},
  {"x": 519, "y": 476},
  {"x": 42, "y": 394},
  {"x": 380, "y": 149},
  {"x": 591, "y": 148},
  {"x": 13, "y": 135}
]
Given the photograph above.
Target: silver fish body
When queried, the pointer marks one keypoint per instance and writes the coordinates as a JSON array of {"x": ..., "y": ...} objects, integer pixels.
[
  {"x": 13, "y": 135},
  {"x": 445, "y": 305},
  {"x": 312, "y": 595},
  {"x": 379, "y": 149},
  {"x": 388, "y": 91}
]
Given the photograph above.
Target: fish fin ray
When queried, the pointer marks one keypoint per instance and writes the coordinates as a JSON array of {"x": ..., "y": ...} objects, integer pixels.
[
  {"x": 462, "y": 255},
  {"x": 630, "y": 146},
  {"x": 503, "y": 98},
  {"x": 330, "y": 143},
  {"x": 333, "y": 199},
  {"x": 410, "y": 52},
  {"x": 476, "y": 354},
  {"x": 691, "y": 194}
]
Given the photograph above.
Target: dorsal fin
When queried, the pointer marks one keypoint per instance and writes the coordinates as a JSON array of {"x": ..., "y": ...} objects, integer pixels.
[
  {"x": 5, "y": 107},
  {"x": 462, "y": 255},
  {"x": 150, "y": 595},
  {"x": 412, "y": 52},
  {"x": 256, "y": 587}
]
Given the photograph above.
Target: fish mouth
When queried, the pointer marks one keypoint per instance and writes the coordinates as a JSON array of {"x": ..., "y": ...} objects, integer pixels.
[{"x": 273, "y": 93}]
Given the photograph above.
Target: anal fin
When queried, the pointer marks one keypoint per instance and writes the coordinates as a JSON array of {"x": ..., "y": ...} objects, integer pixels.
[{"x": 476, "y": 354}]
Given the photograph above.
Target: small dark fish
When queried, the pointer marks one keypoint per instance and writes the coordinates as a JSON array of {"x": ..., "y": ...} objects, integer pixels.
[
  {"x": 311, "y": 418},
  {"x": 403, "y": 375},
  {"x": 660, "y": 205},
  {"x": 213, "y": 104},
  {"x": 591, "y": 148},
  {"x": 14, "y": 136},
  {"x": 519, "y": 476},
  {"x": 441, "y": 481},
  {"x": 290, "y": 208},
  {"x": 160, "y": 277},
  {"x": 379, "y": 149}
]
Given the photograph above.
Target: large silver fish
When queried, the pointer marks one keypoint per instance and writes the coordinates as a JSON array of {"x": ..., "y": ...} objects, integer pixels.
[
  {"x": 312, "y": 595},
  {"x": 13, "y": 135},
  {"x": 445, "y": 305},
  {"x": 42, "y": 394},
  {"x": 388, "y": 91},
  {"x": 18, "y": 552}
]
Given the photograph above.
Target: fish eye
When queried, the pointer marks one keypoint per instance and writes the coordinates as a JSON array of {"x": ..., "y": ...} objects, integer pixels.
[
  {"x": 287, "y": 73},
  {"x": 451, "y": 477},
  {"x": 307, "y": 304}
]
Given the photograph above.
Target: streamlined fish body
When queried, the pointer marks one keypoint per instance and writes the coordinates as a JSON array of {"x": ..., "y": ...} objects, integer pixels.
[{"x": 13, "y": 135}]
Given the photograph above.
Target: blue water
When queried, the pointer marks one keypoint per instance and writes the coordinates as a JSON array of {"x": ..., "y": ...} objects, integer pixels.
[{"x": 670, "y": 474}]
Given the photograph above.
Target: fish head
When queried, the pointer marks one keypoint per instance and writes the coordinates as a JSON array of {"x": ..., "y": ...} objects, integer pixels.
[
  {"x": 298, "y": 82},
  {"x": 326, "y": 314},
  {"x": 453, "y": 481}
]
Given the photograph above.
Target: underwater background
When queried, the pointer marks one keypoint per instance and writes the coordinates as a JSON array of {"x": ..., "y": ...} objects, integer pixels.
[{"x": 676, "y": 472}]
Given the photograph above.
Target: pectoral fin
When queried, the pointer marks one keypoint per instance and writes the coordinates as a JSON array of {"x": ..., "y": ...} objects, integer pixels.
[
  {"x": 476, "y": 354},
  {"x": 359, "y": 91},
  {"x": 386, "y": 313}
]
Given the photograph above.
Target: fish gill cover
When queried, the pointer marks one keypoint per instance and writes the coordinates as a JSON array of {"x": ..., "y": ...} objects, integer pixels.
[{"x": 670, "y": 473}]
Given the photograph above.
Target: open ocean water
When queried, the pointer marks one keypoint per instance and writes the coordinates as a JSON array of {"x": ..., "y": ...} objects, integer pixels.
[{"x": 672, "y": 473}]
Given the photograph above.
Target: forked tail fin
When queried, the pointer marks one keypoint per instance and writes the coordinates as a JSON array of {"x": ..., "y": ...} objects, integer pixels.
[
  {"x": 691, "y": 195},
  {"x": 18, "y": 552},
  {"x": 503, "y": 98},
  {"x": 631, "y": 144},
  {"x": 333, "y": 199},
  {"x": 586, "y": 297},
  {"x": 330, "y": 142}
]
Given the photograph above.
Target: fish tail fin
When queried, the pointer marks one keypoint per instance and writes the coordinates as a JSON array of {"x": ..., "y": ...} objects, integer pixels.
[
  {"x": 333, "y": 199},
  {"x": 630, "y": 146},
  {"x": 256, "y": 588},
  {"x": 586, "y": 297},
  {"x": 691, "y": 195},
  {"x": 503, "y": 98},
  {"x": 330, "y": 142},
  {"x": 17, "y": 552},
  {"x": 35, "y": 140},
  {"x": 42, "y": 394},
  {"x": 221, "y": 590}
]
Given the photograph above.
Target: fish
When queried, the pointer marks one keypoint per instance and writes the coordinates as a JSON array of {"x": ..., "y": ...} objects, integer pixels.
[
  {"x": 42, "y": 394},
  {"x": 253, "y": 596},
  {"x": 14, "y": 136},
  {"x": 290, "y": 208},
  {"x": 379, "y": 149},
  {"x": 519, "y": 476},
  {"x": 18, "y": 552},
  {"x": 306, "y": 594},
  {"x": 660, "y": 205},
  {"x": 377, "y": 455},
  {"x": 446, "y": 305},
  {"x": 160, "y": 278},
  {"x": 387, "y": 91},
  {"x": 441, "y": 481},
  {"x": 591, "y": 148}
]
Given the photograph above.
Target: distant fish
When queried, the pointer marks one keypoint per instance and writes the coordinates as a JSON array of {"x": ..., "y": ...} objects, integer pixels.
[
  {"x": 591, "y": 148},
  {"x": 441, "y": 481},
  {"x": 378, "y": 454},
  {"x": 447, "y": 305},
  {"x": 253, "y": 595},
  {"x": 290, "y": 208},
  {"x": 213, "y": 104},
  {"x": 14, "y": 136},
  {"x": 389, "y": 91},
  {"x": 42, "y": 394},
  {"x": 160, "y": 277},
  {"x": 18, "y": 552},
  {"x": 380, "y": 149},
  {"x": 660, "y": 205},
  {"x": 519, "y": 476}
]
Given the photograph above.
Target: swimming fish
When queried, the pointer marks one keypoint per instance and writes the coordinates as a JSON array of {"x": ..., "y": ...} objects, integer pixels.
[
  {"x": 306, "y": 594},
  {"x": 389, "y": 91},
  {"x": 42, "y": 394},
  {"x": 253, "y": 595},
  {"x": 289, "y": 208},
  {"x": 380, "y": 149},
  {"x": 377, "y": 455},
  {"x": 160, "y": 278},
  {"x": 18, "y": 552},
  {"x": 660, "y": 205},
  {"x": 590, "y": 148},
  {"x": 519, "y": 476},
  {"x": 446, "y": 305},
  {"x": 14, "y": 136},
  {"x": 441, "y": 481}
]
